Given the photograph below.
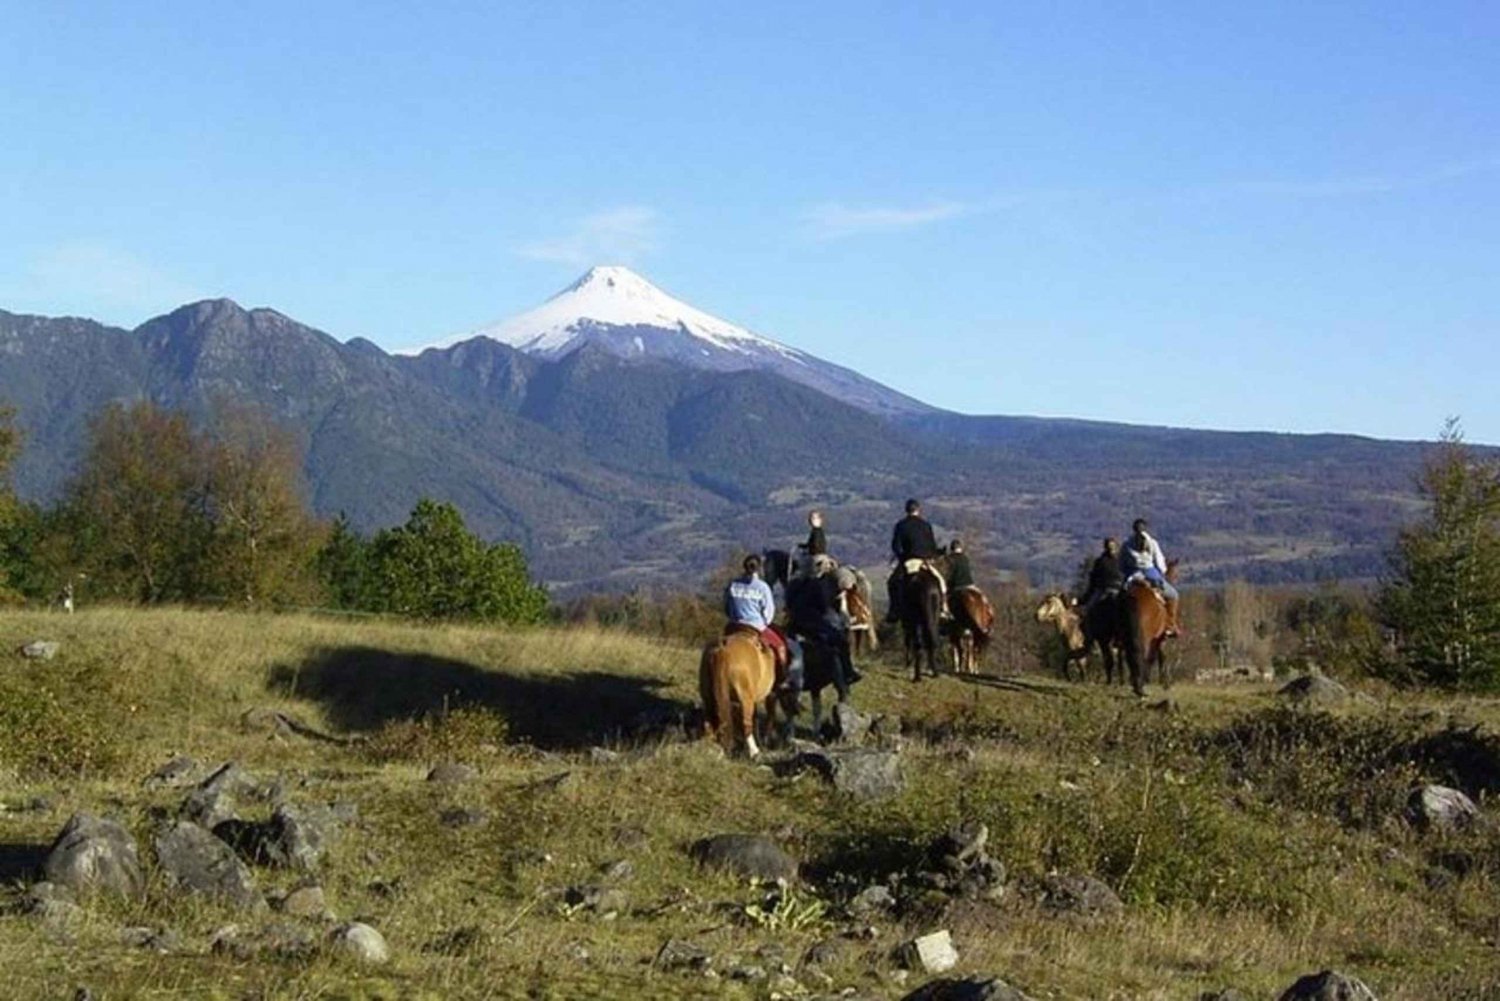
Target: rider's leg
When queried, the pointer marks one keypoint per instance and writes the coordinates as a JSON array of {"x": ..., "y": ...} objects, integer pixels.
[
  {"x": 893, "y": 595},
  {"x": 1172, "y": 598}
]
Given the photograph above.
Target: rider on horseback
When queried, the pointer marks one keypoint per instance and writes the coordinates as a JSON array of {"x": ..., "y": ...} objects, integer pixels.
[
  {"x": 750, "y": 605},
  {"x": 1142, "y": 558},
  {"x": 813, "y": 603},
  {"x": 1105, "y": 577},
  {"x": 914, "y": 546}
]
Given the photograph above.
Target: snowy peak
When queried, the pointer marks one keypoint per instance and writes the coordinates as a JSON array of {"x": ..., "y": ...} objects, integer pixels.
[
  {"x": 612, "y": 296},
  {"x": 614, "y": 309}
]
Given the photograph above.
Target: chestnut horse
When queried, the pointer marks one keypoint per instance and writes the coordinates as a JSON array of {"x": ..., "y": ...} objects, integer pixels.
[
  {"x": 737, "y": 677},
  {"x": 862, "y": 635},
  {"x": 969, "y": 632},
  {"x": 1145, "y": 622}
]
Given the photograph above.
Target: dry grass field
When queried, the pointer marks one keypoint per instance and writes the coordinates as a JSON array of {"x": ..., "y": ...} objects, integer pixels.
[{"x": 1251, "y": 843}]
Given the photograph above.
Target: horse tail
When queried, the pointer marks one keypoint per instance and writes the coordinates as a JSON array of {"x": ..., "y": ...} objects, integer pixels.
[{"x": 1135, "y": 639}]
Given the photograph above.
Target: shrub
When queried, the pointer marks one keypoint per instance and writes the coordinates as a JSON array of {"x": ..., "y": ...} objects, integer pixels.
[
  {"x": 60, "y": 724},
  {"x": 457, "y": 734}
]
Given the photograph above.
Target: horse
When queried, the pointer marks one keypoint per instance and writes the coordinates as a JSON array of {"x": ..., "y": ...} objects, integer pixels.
[
  {"x": 776, "y": 566},
  {"x": 921, "y": 616},
  {"x": 737, "y": 677},
  {"x": 1100, "y": 628},
  {"x": 854, "y": 595},
  {"x": 1145, "y": 622},
  {"x": 969, "y": 631}
]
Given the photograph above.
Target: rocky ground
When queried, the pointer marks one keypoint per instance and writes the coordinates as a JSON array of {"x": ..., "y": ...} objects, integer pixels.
[{"x": 220, "y": 806}]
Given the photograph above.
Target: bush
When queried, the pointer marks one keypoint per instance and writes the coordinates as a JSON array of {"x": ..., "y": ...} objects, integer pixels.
[
  {"x": 60, "y": 724},
  {"x": 458, "y": 734}
]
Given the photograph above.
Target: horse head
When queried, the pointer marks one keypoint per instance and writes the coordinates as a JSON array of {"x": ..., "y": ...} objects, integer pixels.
[
  {"x": 1171, "y": 574},
  {"x": 1052, "y": 609}
]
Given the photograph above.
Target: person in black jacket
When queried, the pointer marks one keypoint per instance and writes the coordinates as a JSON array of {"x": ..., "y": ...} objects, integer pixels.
[
  {"x": 1104, "y": 574},
  {"x": 813, "y": 606},
  {"x": 817, "y": 539},
  {"x": 912, "y": 539}
]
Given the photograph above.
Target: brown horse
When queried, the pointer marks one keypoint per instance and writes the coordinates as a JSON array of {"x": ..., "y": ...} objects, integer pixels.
[
  {"x": 969, "y": 631},
  {"x": 1100, "y": 629},
  {"x": 737, "y": 677},
  {"x": 1146, "y": 621},
  {"x": 921, "y": 615},
  {"x": 862, "y": 635}
]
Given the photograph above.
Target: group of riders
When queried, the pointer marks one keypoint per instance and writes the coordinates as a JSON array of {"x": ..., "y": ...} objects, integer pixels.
[{"x": 817, "y": 591}]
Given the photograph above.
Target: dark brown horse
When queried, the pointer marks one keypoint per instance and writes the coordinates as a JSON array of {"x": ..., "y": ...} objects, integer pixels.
[
  {"x": 969, "y": 630},
  {"x": 1146, "y": 621},
  {"x": 921, "y": 619}
]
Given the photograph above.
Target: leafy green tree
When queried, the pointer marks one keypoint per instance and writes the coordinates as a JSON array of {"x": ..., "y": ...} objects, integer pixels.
[
  {"x": 343, "y": 566},
  {"x": 137, "y": 511},
  {"x": 433, "y": 567},
  {"x": 1443, "y": 598}
]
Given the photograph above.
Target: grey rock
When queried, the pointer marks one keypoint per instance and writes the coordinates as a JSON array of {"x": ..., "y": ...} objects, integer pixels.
[
  {"x": 1439, "y": 808},
  {"x": 969, "y": 989},
  {"x": 932, "y": 953},
  {"x": 602, "y": 756},
  {"x": 458, "y": 942},
  {"x": 197, "y": 862},
  {"x": 464, "y": 816},
  {"x": 218, "y": 797},
  {"x": 305, "y": 902},
  {"x": 872, "y": 901},
  {"x": 617, "y": 871},
  {"x": 158, "y": 940},
  {"x": 59, "y": 918},
  {"x": 1081, "y": 895},
  {"x": 453, "y": 772},
  {"x": 861, "y": 773},
  {"x": 847, "y": 725},
  {"x": 746, "y": 854},
  {"x": 95, "y": 854},
  {"x": 1328, "y": 986},
  {"x": 676, "y": 954},
  {"x": 825, "y": 953},
  {"x": 1314, "y": 689},
  {"x": 601, "y": 900},
  {"x": 361, "y": 943},
  {"x": 296, "y": 837},
  {"x": 40, "y": 650},
  {"x": 45, "y": 890},
  {"x": 961, "y": 842},
  {"x": 177, "y": 772}
]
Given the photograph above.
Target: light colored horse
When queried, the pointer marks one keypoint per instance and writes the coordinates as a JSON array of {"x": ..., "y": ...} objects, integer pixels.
[
  {"x": 1063, "y": 612},
  {"x": 737, "y": 677}
]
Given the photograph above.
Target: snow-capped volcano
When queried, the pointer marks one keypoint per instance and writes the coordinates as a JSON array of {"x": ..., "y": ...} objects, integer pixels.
[{"x": 616, "y": 309}]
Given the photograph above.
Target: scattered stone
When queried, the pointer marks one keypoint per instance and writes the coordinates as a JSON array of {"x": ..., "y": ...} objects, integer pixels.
[
  {"x": 606, "y": 902},
  {"x": 563, "y": 782},
  {"x": 962, "y": 841},
  {"x": 92, "y": 854},
  {"x": 305, "y": 902},
  {"x": 177, "y": 772},
  {"x": 970, "y": 989},
  {"x": 602, "y": 756},
  {"x": 932, "y": 953},
  {"x": 617, "y": 871},
  {"x": 284, "y": 941},
  {"x": 1081, "y": 895},
  {"x": 1328, "y": 986},
  {"x": 196, "y": 861},
  {"x": 676, "y": 954},
  {"x": 158, "y": 940},
  {"x": 750, "y": 973},
  {"x": 458, "y": 942},
  {"x": 464, "y": 816},
  {"x": 872, "y": 901},
  {"x": 960, "y": 865},
  {"x": 59, "y": 918},
  {"x": 361, "y": 943},
  {"x": 748, "y": 855},
  {"x": 1314, "y": 688},
  {"x": 857, "y": 772},
  {"x": 847, "y": 725},
  {"x": 453, "y": 772},
  {"x": 824, "y": 953},
  {"x": 46, "y": 890},
  {"x": 40, "y": 650},
  {"x": 217, "y": 798},
  {"x": 1439, "y": 808},
  {"x": 296, "y": 837}
]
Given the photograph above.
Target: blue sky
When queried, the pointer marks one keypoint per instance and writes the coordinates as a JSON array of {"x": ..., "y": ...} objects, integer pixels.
[{"x": 1280, "y": 216}]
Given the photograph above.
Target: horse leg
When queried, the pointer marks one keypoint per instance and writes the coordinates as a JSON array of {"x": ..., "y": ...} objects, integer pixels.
[
  {"x": 817, "y": 713},
  {"x": 747, "y": 707}
]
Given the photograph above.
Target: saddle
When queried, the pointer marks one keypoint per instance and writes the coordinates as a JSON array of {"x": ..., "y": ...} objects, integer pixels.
[{"x": 780, "y": 655}]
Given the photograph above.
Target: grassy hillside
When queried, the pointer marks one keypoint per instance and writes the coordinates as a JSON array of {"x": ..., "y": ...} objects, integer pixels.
[{"x": 1250, "y": 843}]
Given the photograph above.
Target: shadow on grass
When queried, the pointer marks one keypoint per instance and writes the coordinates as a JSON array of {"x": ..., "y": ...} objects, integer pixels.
[
  {"x": 21, "y": 863},
  {"x": 363, "y": 688}
]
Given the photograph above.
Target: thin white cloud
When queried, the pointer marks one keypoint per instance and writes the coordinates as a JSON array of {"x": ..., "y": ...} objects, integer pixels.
[
  {"x": 94, "y": 278},
  {"x": 619, "y": 235},
  {"x": 1352, "y": 186},
  {"x": 834, "y": 220}
]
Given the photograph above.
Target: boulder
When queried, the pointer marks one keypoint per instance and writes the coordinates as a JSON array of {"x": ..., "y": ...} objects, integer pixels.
[
  {"x": 40, "y": 650},
  {"x": 746, "y": 854},
  {"x": 847, "y": 725},
  {"x": 453, "y": 772},
  {"x": 872, "y": 901},
  {"x": 361, "y": 943},
  {"x": 968, "y": 989},
  {"x": 296, "y": 837},
  {"x": 960, "y": 842},
  {"x": 196, "y": 861},
  {"x": 305, "y": 902},
  {"x": 932, "y": 953},
  {"x": 857, "y": 772},
  {"x": 463, "y": 816},
  {"x": 218, "y": 797},
  {"x": 1081, "y": 895},
  {"x": 95, "y": 854},
  {"x": 1439, "y": 808},
  {"x": 676, "y": 954},
  {"x": 1314, "y": 689},
  {"x": 1328, "y": 986},
  {"x": 604, "y": 901}
]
